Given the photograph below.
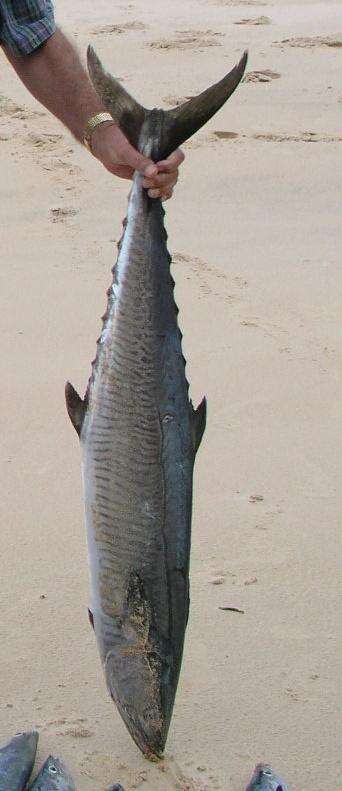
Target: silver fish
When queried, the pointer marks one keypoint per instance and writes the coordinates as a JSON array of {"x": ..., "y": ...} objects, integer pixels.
[
  {"x": 17, "y": 760},
  {"x": 139, "y": 435},
  {"x": 264, "y": 779},
  {"x": 53, "y": 776}
]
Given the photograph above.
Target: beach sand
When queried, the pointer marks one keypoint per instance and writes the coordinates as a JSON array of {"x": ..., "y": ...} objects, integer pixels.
[{"x": 255, "y": 233}]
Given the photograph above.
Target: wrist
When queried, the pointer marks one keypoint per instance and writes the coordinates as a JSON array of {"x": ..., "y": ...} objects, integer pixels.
[{"x": 92, "y": 129}]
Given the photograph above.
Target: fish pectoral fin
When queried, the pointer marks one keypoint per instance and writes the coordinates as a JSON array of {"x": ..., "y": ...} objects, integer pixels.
[
  {"x": 198, "y": 422},
  {"x": 75, "y": 406}
]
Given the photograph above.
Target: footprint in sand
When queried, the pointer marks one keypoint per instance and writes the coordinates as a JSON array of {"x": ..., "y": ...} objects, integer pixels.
[
  {"x": 45, "y": 141},
  {"x": 261, "y": 76},
  {"x": 164, "y": 775},
  {"x": 316, "y": 41},
  {"x": 208, "y": 277},
  {"x": 176, "y": 101},
  {"x": 188, "y": 39},
  {"x": 106, "y": 30},
  {"x": 269, "y": 329},
  {"x": 209, "y": 140},
  {"x": 75, "y": 728},
  {"x": 76, "y": 732},
  {"x": 60, "y": 214},
  {"x": 259, "y": 20},
  {"x": 241, "y": 2},
  {"x": 198, "y": 33},
  {"x": 221, "y": 135},
  {"x": 9, "y": 108},
  {"x": 301, "y": 137}
]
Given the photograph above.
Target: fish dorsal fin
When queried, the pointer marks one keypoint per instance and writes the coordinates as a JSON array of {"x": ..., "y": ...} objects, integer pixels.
[
  {"x": 126, "y": 111},
  {"x": 198, "y": 419},
  {"x": 75, "y": 406},
  {"x": 168, "y": 129}
]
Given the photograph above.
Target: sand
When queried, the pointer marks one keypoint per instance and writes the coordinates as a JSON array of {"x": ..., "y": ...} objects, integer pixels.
[{"x": 255, "y": 230}]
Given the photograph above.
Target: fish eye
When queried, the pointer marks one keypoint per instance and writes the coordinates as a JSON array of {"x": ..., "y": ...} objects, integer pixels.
[
  {"x": 167, "y": 418},
  {"x": 53, "y": 769}
]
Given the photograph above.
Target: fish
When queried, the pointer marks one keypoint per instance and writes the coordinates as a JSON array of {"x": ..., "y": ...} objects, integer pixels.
[
  {"x": 265, "y": 779},
  {"x": 139, "y": 434},
  {"x": 53, "y": 776},
  {"x": 116, "y": 787},
  {"x": 17, "y": 760}
]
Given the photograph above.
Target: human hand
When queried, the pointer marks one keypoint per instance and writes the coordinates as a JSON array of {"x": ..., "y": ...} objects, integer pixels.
[{"x": 112, "y": 148}]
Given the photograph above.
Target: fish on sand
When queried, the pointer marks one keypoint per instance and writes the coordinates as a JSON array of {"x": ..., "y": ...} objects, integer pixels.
[
  {"x": 265, "y": 779},
  {"x": 139, "y": 434},
  {"x": 16, "y": 761},
  {"x": 53, "y": 776}
]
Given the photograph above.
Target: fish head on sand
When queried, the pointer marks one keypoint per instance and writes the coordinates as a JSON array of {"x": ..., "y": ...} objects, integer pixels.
[{"x": 265, "y": 779}]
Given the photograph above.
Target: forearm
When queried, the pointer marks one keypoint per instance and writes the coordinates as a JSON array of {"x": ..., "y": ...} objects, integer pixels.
[{"x": 55, "y": 76}]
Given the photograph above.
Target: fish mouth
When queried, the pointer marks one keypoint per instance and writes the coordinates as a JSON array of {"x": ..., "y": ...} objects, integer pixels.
[{"x": 135, "y": 682}]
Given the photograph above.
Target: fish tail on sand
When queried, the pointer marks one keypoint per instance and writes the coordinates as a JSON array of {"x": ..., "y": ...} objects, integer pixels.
[{"x": 139, "y": 435}]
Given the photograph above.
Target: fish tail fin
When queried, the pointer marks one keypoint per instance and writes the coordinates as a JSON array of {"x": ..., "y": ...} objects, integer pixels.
[
  {"x": 126, "y": 111},
  {"x": 169, "y": 128},
  {"x": 188, "y": 118}
]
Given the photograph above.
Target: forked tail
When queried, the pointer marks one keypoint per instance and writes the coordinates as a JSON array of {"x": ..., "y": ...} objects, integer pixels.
[{"x": 168, "y": 129}]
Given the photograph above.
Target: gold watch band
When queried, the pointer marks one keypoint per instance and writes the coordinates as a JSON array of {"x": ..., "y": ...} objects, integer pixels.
[{"x": 91, "y": 124}]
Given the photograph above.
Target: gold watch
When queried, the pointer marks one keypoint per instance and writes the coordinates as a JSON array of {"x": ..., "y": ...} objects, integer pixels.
[{"x": 91, "y": 124}]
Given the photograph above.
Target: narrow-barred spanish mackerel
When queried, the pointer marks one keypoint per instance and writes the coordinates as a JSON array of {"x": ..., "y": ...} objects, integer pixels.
[{"x": 139, "y": 435}]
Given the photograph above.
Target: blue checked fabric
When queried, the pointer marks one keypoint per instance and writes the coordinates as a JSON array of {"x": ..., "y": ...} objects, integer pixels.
[{"x": 26, "y": 24}]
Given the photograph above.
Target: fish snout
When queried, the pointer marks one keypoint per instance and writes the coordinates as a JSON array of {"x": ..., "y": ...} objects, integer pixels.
[{"x": 134, "y": 681}]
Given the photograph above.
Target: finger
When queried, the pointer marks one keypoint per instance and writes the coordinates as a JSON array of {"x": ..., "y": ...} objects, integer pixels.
[
  {"x": 123, "y": 153},
  {"x": 161, "y": 180},
  {"x": 167, "y": 195},
  {"x": 154, "y": 193},
  {"x": 164, "y": 194},
  {"x": 172, "y": 162},
  {"x": 137, "y": 161}
]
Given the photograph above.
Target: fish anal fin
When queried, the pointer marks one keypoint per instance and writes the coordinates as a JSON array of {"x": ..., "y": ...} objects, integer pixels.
[
  {"x": 75, "y": 406},
  {"x": 198, "y": 422}
]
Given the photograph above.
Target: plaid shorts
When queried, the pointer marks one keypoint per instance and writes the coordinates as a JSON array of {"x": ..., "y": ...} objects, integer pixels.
[{"x": 26, "y": 24}]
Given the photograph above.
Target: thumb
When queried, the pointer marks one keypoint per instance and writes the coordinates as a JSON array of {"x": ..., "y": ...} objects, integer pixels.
[{"x": 137, "y": 161}]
